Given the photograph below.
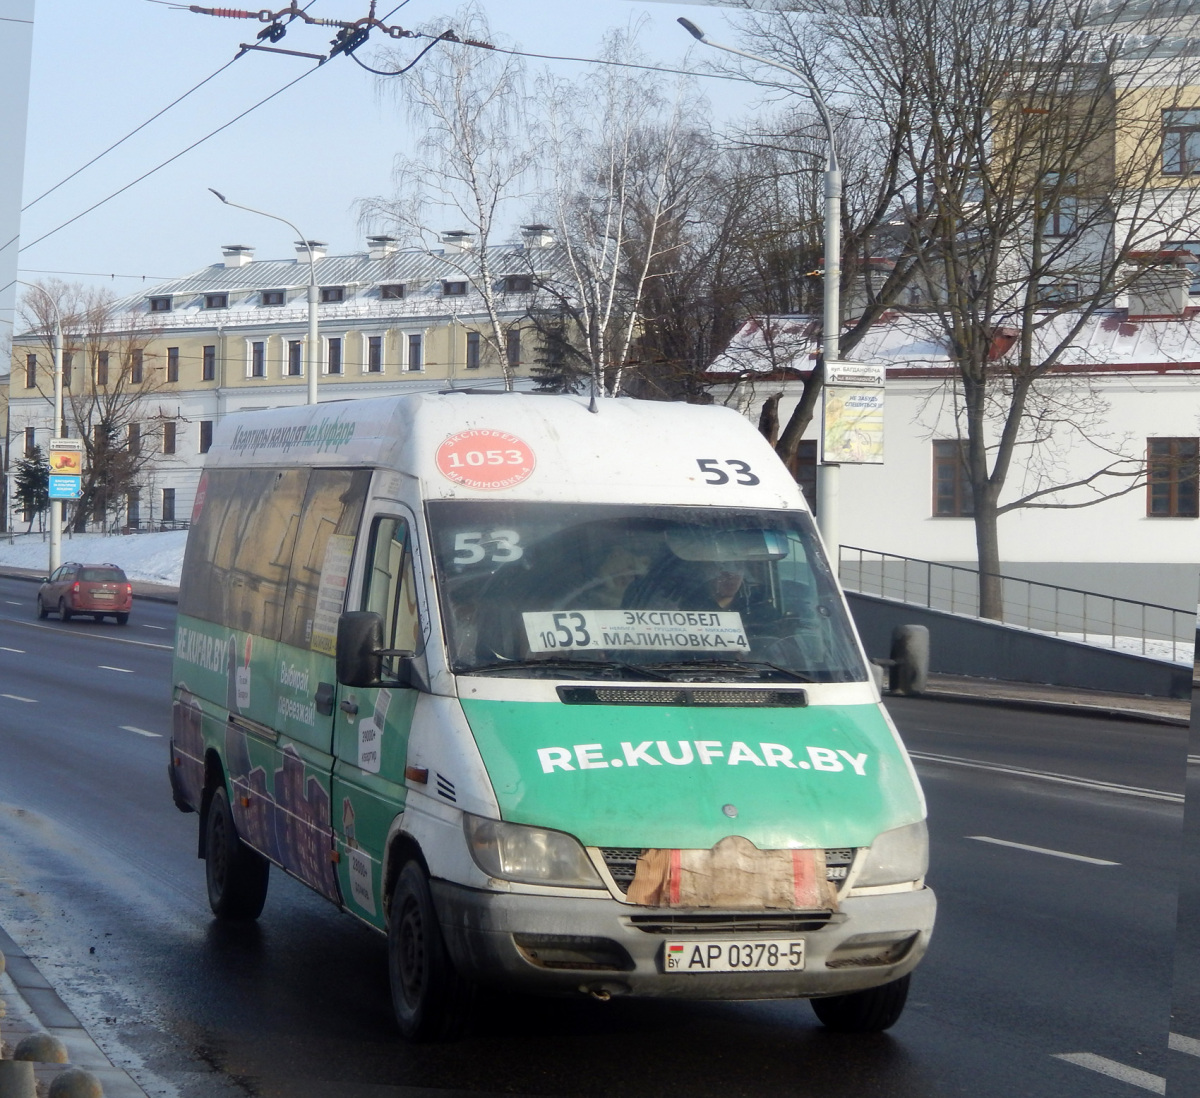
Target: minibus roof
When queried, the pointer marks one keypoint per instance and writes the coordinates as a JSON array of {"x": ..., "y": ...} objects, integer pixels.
[{"x": 524, "y": 446}]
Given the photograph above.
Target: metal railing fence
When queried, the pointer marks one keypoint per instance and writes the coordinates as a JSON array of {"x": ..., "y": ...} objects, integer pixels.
[{"x": 1148, "y": 629}]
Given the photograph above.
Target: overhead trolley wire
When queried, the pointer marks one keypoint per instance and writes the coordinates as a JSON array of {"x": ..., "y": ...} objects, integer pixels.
[{"x": 171, "y": 159}]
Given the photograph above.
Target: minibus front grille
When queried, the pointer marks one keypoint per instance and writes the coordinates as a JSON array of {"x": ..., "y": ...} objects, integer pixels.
[
  {"x": 679, "y": 696},
  {"x": 621, "y": 862},
  {"x": 731, "y": 922}
]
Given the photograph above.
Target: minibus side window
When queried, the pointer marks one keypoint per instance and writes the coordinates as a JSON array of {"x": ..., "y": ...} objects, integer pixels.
[
  {"x": 390, "y": 589},
  {"x": 332, "y": 508}
]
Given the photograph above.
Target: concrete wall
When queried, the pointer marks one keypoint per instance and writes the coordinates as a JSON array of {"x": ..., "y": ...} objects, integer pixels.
[{"x": 960, "y": 645}]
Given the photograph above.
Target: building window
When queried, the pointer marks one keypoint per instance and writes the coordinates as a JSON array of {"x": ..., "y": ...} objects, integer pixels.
[
  {"x": 1192, "y": 247},
  {"x": 172, "y": 363},
  {"x": 374, "y": 354},
  {"x": 414, "y": 353},
  {"x": 216, "y": 301},
  {"x": 518, "y": 284},
  {"x": 134, "y": 441},
  {"x": 168, "y": 505},
  {"x": 1171, "y": 477},
  {"x": 258, "y": 359},
  {"x": 208, "y": 368},
  {"x": 30, "y": 371},
  {"x": 394, "y": 292},
  {"x": 472, "y": 350},
  {"x": 137, "y": 366},
  {"x": 294, "y": 360},
  {"x": 333, "y": 293},
  {"x": 512, "y": 347},
  {"x": 335, "y": 355},
  {"x": 205, "y": 435},
  {"x": 101, "y": 369},
  {"x": 1059, "y": 204},
  {"x": 952, "y": 496},
  {"x": 1054, "y": 292},
  {"x": 454, "y": 289},
  {"x": 168, "y": 438},
  {"x": 133, "y": 509},
  {"x": 272, "y": 297},
  {"x": 30, "y": 441},
  {"x": 1181, "y": 142},
  {"x": 160, "y": 304}
]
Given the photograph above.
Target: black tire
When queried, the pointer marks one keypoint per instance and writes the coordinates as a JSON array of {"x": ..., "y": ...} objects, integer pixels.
[
  {"x": 42, "y": 611},
  {"x": 432, "y": 1002},
  {"x": 870, "y": 1011},
  {"x": 63, "y": 612},
  {"x": 122, "y": 619},
  {"x": 237, "y": 876}
]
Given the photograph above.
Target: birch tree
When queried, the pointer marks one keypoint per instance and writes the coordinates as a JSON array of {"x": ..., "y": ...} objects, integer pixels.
[{"x": 472, "y": 166}]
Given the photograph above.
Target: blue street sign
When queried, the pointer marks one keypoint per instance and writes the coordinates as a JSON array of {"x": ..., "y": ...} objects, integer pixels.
[{"x": 65, "y": 487}]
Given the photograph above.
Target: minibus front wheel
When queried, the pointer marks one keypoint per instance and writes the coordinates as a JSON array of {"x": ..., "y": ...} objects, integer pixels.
[
  {"x": 237, "y": 876},
  {"x": 869, "y": 1011},
  {"x": 431, "y": 1000}
]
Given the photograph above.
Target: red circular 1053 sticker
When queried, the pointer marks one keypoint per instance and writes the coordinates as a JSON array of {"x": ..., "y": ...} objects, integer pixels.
[{"x": 485, "y": 459}]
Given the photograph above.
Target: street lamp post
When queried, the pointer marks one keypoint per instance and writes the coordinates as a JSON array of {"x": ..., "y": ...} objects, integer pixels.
[
  {"x": 56, "y": 505},
  {"x": 312, "y": 357},
  {"x": 827, "y": 474}
]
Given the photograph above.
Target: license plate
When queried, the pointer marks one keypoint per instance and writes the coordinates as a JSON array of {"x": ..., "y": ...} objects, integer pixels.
[
  {"x": 734, "y": 955},
  {"x": 110, "y": 595}
]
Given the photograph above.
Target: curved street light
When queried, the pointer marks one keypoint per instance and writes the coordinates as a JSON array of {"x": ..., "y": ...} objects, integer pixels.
[
  {"x": 827, "y": 485},
  {"x": 312, "y": 357}
]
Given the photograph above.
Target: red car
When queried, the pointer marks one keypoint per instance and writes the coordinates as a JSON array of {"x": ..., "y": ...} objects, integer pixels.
[{"x": 97, "y": 589}]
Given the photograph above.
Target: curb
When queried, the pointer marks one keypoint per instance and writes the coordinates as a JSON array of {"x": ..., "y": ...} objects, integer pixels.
[
  {"x": 38, "y": 1006},
  {"x": 1035, "y": 705}
]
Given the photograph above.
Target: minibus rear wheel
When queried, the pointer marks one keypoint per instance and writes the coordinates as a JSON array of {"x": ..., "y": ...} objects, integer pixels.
[
  {"x": 431, "y": 1000},
  {"x": 237, "y": 876},
  {"x": 869, "y": 1011}
]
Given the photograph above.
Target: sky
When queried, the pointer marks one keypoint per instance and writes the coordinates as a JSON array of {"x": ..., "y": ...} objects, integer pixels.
[{"x": 100, "y": 69}]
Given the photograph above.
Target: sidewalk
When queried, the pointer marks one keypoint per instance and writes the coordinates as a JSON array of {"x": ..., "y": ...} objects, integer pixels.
[{"x": 31, "y": 1005}]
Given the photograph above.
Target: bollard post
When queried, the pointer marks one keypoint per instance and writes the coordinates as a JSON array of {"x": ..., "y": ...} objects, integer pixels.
[
  {"x": 41, "y": 1048},
  {"x": 16, "y": 1079},
  {"x": 910, "y": 660},
  {"x": 75, "y": 1083}
]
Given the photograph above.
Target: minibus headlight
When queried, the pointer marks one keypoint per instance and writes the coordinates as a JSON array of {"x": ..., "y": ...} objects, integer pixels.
[
  {"x": 897, "y": 856},
  {"x": 533, "y": 855}
]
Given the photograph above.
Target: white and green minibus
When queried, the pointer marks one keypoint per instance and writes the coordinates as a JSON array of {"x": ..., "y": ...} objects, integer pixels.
[{"x": 561, "y": 700}]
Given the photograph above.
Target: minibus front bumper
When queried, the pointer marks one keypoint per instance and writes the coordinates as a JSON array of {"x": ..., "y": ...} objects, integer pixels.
[{"x": 562, "y": 945}]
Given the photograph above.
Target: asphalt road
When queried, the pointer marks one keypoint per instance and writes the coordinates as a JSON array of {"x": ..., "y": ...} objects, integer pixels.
[{"x": 1037, "y": 955}]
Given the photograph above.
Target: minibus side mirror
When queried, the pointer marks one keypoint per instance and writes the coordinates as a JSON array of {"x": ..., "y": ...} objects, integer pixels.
[
  {"x": 359, "y": 648},
  {"x": 360, "y": 652}
]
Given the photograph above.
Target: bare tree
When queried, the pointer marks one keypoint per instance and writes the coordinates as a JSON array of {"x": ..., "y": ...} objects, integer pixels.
[
  {"x": 472, "y": 165},
  {"x": 1034, "y": 137},
  {"x": 110, "y": 382},
  {"x": 620, "y": 156}
]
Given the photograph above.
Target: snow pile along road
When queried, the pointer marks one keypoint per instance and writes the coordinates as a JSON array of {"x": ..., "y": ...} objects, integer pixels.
[{"x": 155, "y": 558}]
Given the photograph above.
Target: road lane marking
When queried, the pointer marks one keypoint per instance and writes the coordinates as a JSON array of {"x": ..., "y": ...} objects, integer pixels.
[
  {"x": 1050, "y": 776},
  {"x": 18, "y": 698},
  {"x": 88, "y": 634},
  {"x": 19, "y": 651},
  {"x": 1042, "y": 850},
  {"x": 140, "y": 731},
  {"x": 145, "y": 626},
  {"x": 1180, "y": 1043},
  {"x": 1156, "y": 1084},
  {"x": 12, "y": 602},
  {"x": 123, "y": 670}
]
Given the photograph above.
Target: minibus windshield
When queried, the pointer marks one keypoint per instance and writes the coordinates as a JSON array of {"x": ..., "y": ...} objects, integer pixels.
[{"x": 645, "y": 592}]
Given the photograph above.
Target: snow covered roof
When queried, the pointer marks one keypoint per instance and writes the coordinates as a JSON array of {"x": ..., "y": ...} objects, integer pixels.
[{"x": 913, "y": 343}]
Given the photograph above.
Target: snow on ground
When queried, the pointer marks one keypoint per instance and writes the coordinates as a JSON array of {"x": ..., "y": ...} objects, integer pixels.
[{"x": 157, "y": 558}]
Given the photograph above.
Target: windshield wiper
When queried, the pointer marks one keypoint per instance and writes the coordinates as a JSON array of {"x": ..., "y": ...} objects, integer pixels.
[
  {"x": 628, "y": 670},
  {"x": 741, "y": 668}
]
